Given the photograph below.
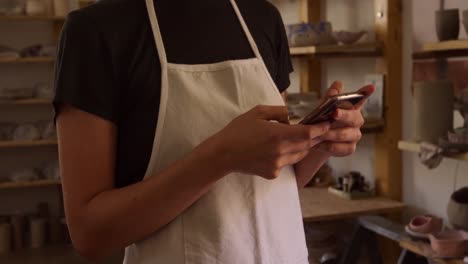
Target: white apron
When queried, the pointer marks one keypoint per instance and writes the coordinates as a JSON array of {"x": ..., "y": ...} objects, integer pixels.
[{"x": 243, "y": 219}]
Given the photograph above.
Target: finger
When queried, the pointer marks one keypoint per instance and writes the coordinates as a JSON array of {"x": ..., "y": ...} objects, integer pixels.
[
  {"x": 335, "y": 88},
  {"x": 271, "y": 113},
  {"x": 367, "y": 90},
  {"x": 348, "y": 134},
  {"x": 337, "y": 149},
  {"x": 292, "y": 159},
  {"x": 293, "y": 146},
  {"x": 351, "y": 118},
  {"x": 300, "y": 132}
]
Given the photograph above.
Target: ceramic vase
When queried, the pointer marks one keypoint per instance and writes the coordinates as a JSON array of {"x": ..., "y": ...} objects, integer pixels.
[
  {"x": 37, "y": 230},
  {"x": 457, "y": 209},
  {"x": 5, "y": 238},
  {"x": 36, "y": 8},
  {"x": 465, "y": 20},
  {"x": 447, "y": 24},
  {"x": 61, "y": 7},
  {"x": 432, "y": 110}
]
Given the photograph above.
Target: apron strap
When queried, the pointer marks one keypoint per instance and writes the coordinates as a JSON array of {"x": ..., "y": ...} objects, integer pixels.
[
  {"x": 253, "y": 45},
  {"x": 159, "y": 41},
  {"x": 156, "y": 32}
]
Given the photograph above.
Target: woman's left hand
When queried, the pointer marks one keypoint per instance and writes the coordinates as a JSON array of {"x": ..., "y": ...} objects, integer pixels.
[{"x": 342, "y": 139}]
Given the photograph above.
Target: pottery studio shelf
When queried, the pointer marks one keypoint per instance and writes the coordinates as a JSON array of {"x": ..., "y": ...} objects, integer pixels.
[
  {"x": 30, "y": 18},
  {"x": 33, "y": 143},
  {"x": 452, "y": 48},
  {"x": 318, "y": 204},
  {"x": 28, "y": 184},
  {"x": 424, "y": 249},
  {"x": 416, "y": 147},
  {"x": 27, "y": 60},
  {"x": 355, "y": 50},
  {"x": 370, "y": 126},
  {"x": 32, "y": 101},
  {"x": 56, "y": 254}
]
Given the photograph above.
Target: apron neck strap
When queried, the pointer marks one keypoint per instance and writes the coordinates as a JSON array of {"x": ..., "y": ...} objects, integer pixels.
[
  {"x": 247, "y": 33},
  {"x": 156, "y": 32},
  {"x": 159, "y": 41}
]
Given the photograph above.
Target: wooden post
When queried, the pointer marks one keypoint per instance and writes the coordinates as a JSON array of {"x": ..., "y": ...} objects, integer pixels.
[
  {"x": 388, "y": 163},
  {"x": 311, "y": 70},
  {"x": 388, "y": 157}
]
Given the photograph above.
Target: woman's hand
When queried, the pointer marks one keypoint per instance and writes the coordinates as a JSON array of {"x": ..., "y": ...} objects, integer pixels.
[
  {"x": 254, "y": 145},
  {"x": 345, "y": 133}
]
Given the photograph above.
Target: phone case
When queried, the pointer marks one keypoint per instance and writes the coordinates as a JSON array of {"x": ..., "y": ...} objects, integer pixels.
[{"x": 325, "y": 110}]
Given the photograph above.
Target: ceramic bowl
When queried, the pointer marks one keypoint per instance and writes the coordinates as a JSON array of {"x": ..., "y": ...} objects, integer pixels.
[
  {"x": 465, "y": 20},
  {"x": 348, "y": 37},
  {"x": 457, "y": 209},
  {"x": 450, "y": 244},
  {"x": 458, "y": 138},
  {"x": 304, "y": 34},
  {"x": 447, "y": 24},
  {"x": 423, "y": 225}
]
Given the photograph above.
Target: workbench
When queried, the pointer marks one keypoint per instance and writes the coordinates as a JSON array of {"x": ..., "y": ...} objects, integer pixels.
[{"x": 319, "y": 205}]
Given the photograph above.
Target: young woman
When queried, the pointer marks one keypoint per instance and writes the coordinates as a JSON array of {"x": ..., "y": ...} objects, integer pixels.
[{"x": 166, "y": 140}]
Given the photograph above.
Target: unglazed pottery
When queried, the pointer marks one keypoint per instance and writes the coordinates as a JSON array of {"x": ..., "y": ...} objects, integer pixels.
[
  {"x": 450, "y": 243},
  {"x": 457, "y": 209},
  {"x": 348, "y": 37},
  {"x": 432, "y": 110},
  {"x": 465, "y": 20},
  {"x": 447, "y": 24},
  {"x": 423, "y": 225}
]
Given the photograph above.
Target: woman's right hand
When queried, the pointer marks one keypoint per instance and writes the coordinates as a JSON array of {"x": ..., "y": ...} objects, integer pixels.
[{"x": 252, "y": 144}]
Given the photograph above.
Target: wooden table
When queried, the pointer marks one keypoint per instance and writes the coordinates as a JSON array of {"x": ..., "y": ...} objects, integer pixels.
[{"x": 319, "y": 205}]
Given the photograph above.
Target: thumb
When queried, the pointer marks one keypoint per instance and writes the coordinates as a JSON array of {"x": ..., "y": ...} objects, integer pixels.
[
  {"x": 335, "y": 88},
  {"x": 271, "y": 113}
]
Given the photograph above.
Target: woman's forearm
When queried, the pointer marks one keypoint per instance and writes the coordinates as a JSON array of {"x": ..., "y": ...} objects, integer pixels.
[
  {"x": 116, "y": 218},
  {"x": 308, "y": 167}
]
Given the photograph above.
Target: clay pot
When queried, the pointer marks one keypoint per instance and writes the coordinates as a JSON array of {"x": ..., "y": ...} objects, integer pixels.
[
  {"x": 447, "y": 24},
  {"x": 465, "y": 20},
  {"x": 37, "y": 229},
  {"x": 5, "y": 237},
  {"x": 457, "y": 209},
  {"x": 450, "y": 244},
  {"x": 423, "y": 225},
  {"x": 432, "y": 110},
  {"x": 348, "y": 37}
]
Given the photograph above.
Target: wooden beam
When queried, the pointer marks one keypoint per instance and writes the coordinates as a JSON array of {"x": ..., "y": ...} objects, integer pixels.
[
  {"x": 388, "y": 157},
  {"x": 388, "y": 164},
  {"x": 314, "y": 13}
]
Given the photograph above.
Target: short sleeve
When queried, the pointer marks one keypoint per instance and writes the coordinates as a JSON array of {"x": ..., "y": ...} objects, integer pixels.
[
  {"x": 83, "y": 72},
  {"x": 284, "y": 63}
]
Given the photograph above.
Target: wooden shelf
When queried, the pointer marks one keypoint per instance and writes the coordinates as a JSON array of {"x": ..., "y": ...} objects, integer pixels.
[
  {"x": 29, "y": 184},
  {"x": 355, "y": 50},
  {"x": 30, "y": 18},
  {"x": 53, "y": 254},
  {"x": 416, "y": 147},
  {"x": 27, "y": 60},
  {"x": 424, "y": 249},
  {"x": 319, "y": 205},
  {"x": 452, "y": 48},
  {"x": 32, "y": 101},
  {"x": 20, "y": 144}
]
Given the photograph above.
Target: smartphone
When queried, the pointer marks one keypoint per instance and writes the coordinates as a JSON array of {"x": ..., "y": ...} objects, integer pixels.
[{"x": 326, "y": 109}]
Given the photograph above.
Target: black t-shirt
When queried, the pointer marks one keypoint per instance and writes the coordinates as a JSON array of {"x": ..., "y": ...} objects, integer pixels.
[{"x": 108, "y": 64}]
